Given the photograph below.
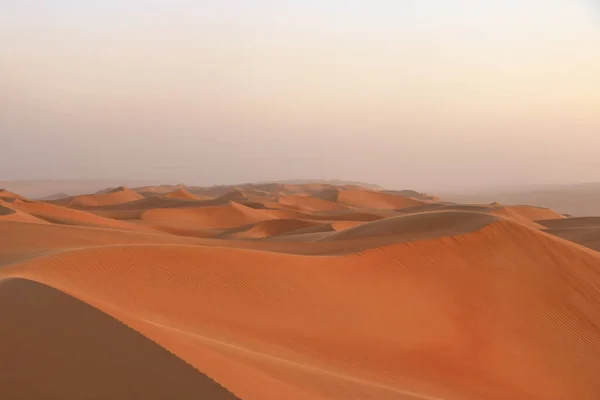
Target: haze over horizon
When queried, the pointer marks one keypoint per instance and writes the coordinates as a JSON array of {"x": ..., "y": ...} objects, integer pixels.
[{"x": 429, "y": 94}]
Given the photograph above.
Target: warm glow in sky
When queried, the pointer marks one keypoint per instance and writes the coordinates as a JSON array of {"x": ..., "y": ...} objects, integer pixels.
[{"x": 407, "y": 93}]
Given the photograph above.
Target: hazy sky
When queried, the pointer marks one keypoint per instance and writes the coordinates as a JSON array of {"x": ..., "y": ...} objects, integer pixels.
[{"x": 428, "y": 94}]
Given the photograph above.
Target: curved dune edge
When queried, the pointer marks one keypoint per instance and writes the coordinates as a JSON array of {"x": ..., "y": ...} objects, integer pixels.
[
  {"x": 62, "y": 215},
  {"x": 119, "y": 195},
  {"x": 8, "y": 213},
  {"x": 269, "y": 228},
  {"x": 414, "y": 226},
  {"x": 402, "y": 297},
  {"x": 182, "y": 194},
  {"x": 367, "y": 199},
  {"x": 310, "y": 203},
  {"x": 527, "y": 215},
  {"x": 56, "y": 345}
]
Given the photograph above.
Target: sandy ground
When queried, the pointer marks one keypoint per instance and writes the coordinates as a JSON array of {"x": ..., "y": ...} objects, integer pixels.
[{"x": 302, "y": 292}]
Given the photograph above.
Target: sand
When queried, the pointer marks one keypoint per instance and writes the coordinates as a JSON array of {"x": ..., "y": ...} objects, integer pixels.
[
  {"x": 116, "y": 196},
  {"x": 58, "y": 347},
  {"x": 311, "y": 302}
]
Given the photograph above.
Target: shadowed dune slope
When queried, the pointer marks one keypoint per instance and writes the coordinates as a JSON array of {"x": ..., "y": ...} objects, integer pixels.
[
  {"x": 375, "y": 200},
  {"x": 582, "y": 230},
  {"x": 440, "y": 223},
  {"x": 4, "y": 211},
  {"x": 269, "y": 228},
  {"x": 504, "y": 312},
  {"x": 571, "y": 223},
  {"x": 57, "y": 347}
]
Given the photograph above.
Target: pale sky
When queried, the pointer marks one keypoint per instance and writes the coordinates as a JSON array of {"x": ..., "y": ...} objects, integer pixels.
[{"x": 427, "y": 94}]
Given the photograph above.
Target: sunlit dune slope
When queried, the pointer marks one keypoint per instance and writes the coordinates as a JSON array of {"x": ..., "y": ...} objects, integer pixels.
[
  {"x": 230, "y": 215},
  {"x": 63, "y": 215},
  {"x": 182, "y": 194},
  {"x": 369, "y": 199},
  {"x": 527, "y": 215},
  {"x": 57, "y": 347},
  {"x": 503, "y": 312},
  {"x": 116, "y": 196},
  {"x": 8, "y": 213},
  {"x": 309, "y": 203},
  {"x": 9, "y": 196}
]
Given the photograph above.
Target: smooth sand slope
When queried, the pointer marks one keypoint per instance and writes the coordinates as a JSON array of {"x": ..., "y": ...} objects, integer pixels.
[{"x": 458, "y": 303}]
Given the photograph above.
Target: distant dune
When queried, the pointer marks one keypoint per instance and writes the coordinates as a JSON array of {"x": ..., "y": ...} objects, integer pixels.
[
  {"x": 580, "y": 200},
  {"x": 296, "y": 291}
]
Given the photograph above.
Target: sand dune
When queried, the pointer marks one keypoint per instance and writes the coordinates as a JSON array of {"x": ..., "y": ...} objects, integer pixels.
[
  {"x": 63, "y": 215},
  {"x": 291, "y": 295},
  {"x": 57, "y": 347},
  {"x": 183, "y": 194},
  {"x": 375, "y": 200},
  {"x": 270, "y": 228},
  {"x": 582, "y": 230},
  {"x": 309, "y": 203},
  {"x": 441, "y": 223},
  {"x": 571, "y": 223},
  {"x": 431, "y": 335},
  {"x": 147, "y": 191},
  {"x": 8, "y": 213},
  {"x": 526, "y": 215},
  {"x": 117, "y": 196},
  {"x": 9, "y": 196},
  {"x": 231, "y": 215}
]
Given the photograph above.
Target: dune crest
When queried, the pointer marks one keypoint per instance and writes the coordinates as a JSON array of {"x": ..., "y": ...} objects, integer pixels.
[{"x": 115, "y": 196}]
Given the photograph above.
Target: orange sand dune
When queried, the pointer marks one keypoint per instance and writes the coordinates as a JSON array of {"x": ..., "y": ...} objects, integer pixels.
[
  {"x": 158, "y": 190},
  {"x": 309, "y": 203},
  {"x": 581, "y": 230},
  {"x": 116, "y": 196},
  {"x": 303, "y": 292},
  {"x": 9, "y": 196},
  {"x": 571, "y": 223},
  {"x": 8, "y": 213},
  {"x": 269, "y": 228},
  {"x": 367, "y": 199},
  {"x": 70, "y": 350},
  {"x": 183, "y": 195},
  {"x": 527, "y": 215},
  {"x": 493, "y": 314},
  {"x": 440, "y": 223},
  {"x": 486, "y": 208},
  {"x": 150, "y": 203},
  {"x": 62, "y": 215},
  {"x": 231, "y": 215}
]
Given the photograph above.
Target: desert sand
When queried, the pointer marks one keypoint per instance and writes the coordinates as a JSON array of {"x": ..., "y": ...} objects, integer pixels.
[{"x": 295, "y": 291}]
